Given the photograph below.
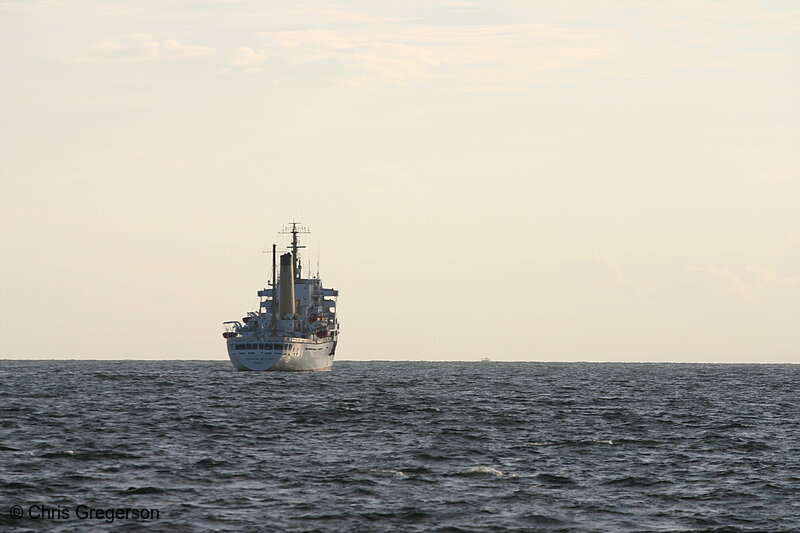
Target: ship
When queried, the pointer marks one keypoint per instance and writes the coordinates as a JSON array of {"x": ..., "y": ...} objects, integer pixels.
[{"x": 295, "y": 328}]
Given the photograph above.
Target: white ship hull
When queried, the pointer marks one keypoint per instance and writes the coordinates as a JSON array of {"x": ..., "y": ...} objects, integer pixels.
[{"x": 284, "y": 355}]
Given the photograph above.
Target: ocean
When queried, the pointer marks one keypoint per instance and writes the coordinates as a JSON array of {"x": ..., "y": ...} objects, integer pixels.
[{"x": 399, "y": 446}]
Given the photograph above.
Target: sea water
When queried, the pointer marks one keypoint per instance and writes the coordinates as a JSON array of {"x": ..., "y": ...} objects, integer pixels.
[{"x": 399, "y": 446}]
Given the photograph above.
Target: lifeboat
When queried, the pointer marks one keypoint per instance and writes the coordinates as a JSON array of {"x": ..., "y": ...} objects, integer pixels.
[
  {"x": 246, "y": 319},
  {"x": 322, "y": 333},
  {"x": 229, "y": 334}
]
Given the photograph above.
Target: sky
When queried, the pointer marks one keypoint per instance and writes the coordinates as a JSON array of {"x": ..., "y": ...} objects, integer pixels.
[{"x": 526, "y": 180}]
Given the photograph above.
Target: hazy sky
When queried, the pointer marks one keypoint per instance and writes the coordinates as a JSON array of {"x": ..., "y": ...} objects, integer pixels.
[{"x": 525, "y": 180}]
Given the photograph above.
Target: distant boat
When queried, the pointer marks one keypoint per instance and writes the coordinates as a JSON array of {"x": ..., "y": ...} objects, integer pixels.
[{"x": 485, "y": 360}]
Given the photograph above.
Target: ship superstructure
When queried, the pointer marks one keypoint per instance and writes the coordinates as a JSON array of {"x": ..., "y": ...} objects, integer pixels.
[{"x": 295, "y": 327}]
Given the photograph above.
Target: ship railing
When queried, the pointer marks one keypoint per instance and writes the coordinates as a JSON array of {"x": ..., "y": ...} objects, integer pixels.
[{"x": 232, "y": 325}]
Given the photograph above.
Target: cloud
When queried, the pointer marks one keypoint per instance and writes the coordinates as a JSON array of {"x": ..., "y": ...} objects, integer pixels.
[
  {"x": 751, "y": 282},
  {"x": 473, "y": 56},
  {"x": 756, "y": 60},
  {"x": 720, "y": 19},
  {"x": 569, "y": 42},
  {"x": 140, "y": 48},
  {"x": 601, "y": 271},
  {"x": 700, "y": 20},
  {"x": 247, "y": 56},
  {"x": 307, "y": 46},
  {"x": 502, "y": 57},
  {"x": 551, "y": 43},
  {"x": 391, "y": 63},
  {"x": 336, "y": 15},
  {"x": 358, "y": 58}
]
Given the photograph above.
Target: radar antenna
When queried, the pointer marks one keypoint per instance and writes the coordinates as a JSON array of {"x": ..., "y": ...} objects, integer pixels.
[{"x": 294, "y": 229}]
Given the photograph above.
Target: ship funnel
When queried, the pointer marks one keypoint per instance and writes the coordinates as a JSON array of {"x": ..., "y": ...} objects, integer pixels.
[{"x": 286, "y": 301}]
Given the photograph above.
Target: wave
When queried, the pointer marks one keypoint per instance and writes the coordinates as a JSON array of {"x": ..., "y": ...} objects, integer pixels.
[
  {"x": 88, "y": 455},
  {"x": 555, "y": 479},
  {"x": 636, "y": 481},
  {"x": 142, "y": 490},
  {"x": 481, "y": 471},
  {"x": 389, "y": 472}
]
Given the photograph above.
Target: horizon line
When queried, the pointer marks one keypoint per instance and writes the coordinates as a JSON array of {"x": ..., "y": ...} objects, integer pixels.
[{"x": 616, "y": 361}]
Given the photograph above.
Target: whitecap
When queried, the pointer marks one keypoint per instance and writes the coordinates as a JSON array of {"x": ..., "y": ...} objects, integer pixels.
[
  {"x": 395, "y": 473},
  {"x": 482, "y": 470}
]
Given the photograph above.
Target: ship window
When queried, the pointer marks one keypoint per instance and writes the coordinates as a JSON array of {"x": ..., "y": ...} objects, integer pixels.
[
  {"x": 270, "y": 346},
  {"x": 241, "y": 346},
  {"x": 249, "y": 346}
]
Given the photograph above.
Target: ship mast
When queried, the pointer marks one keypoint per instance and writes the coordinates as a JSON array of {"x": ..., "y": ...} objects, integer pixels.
[
  {"x": 274, "y": 319},
  {"x": 294, "y": 231}
]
